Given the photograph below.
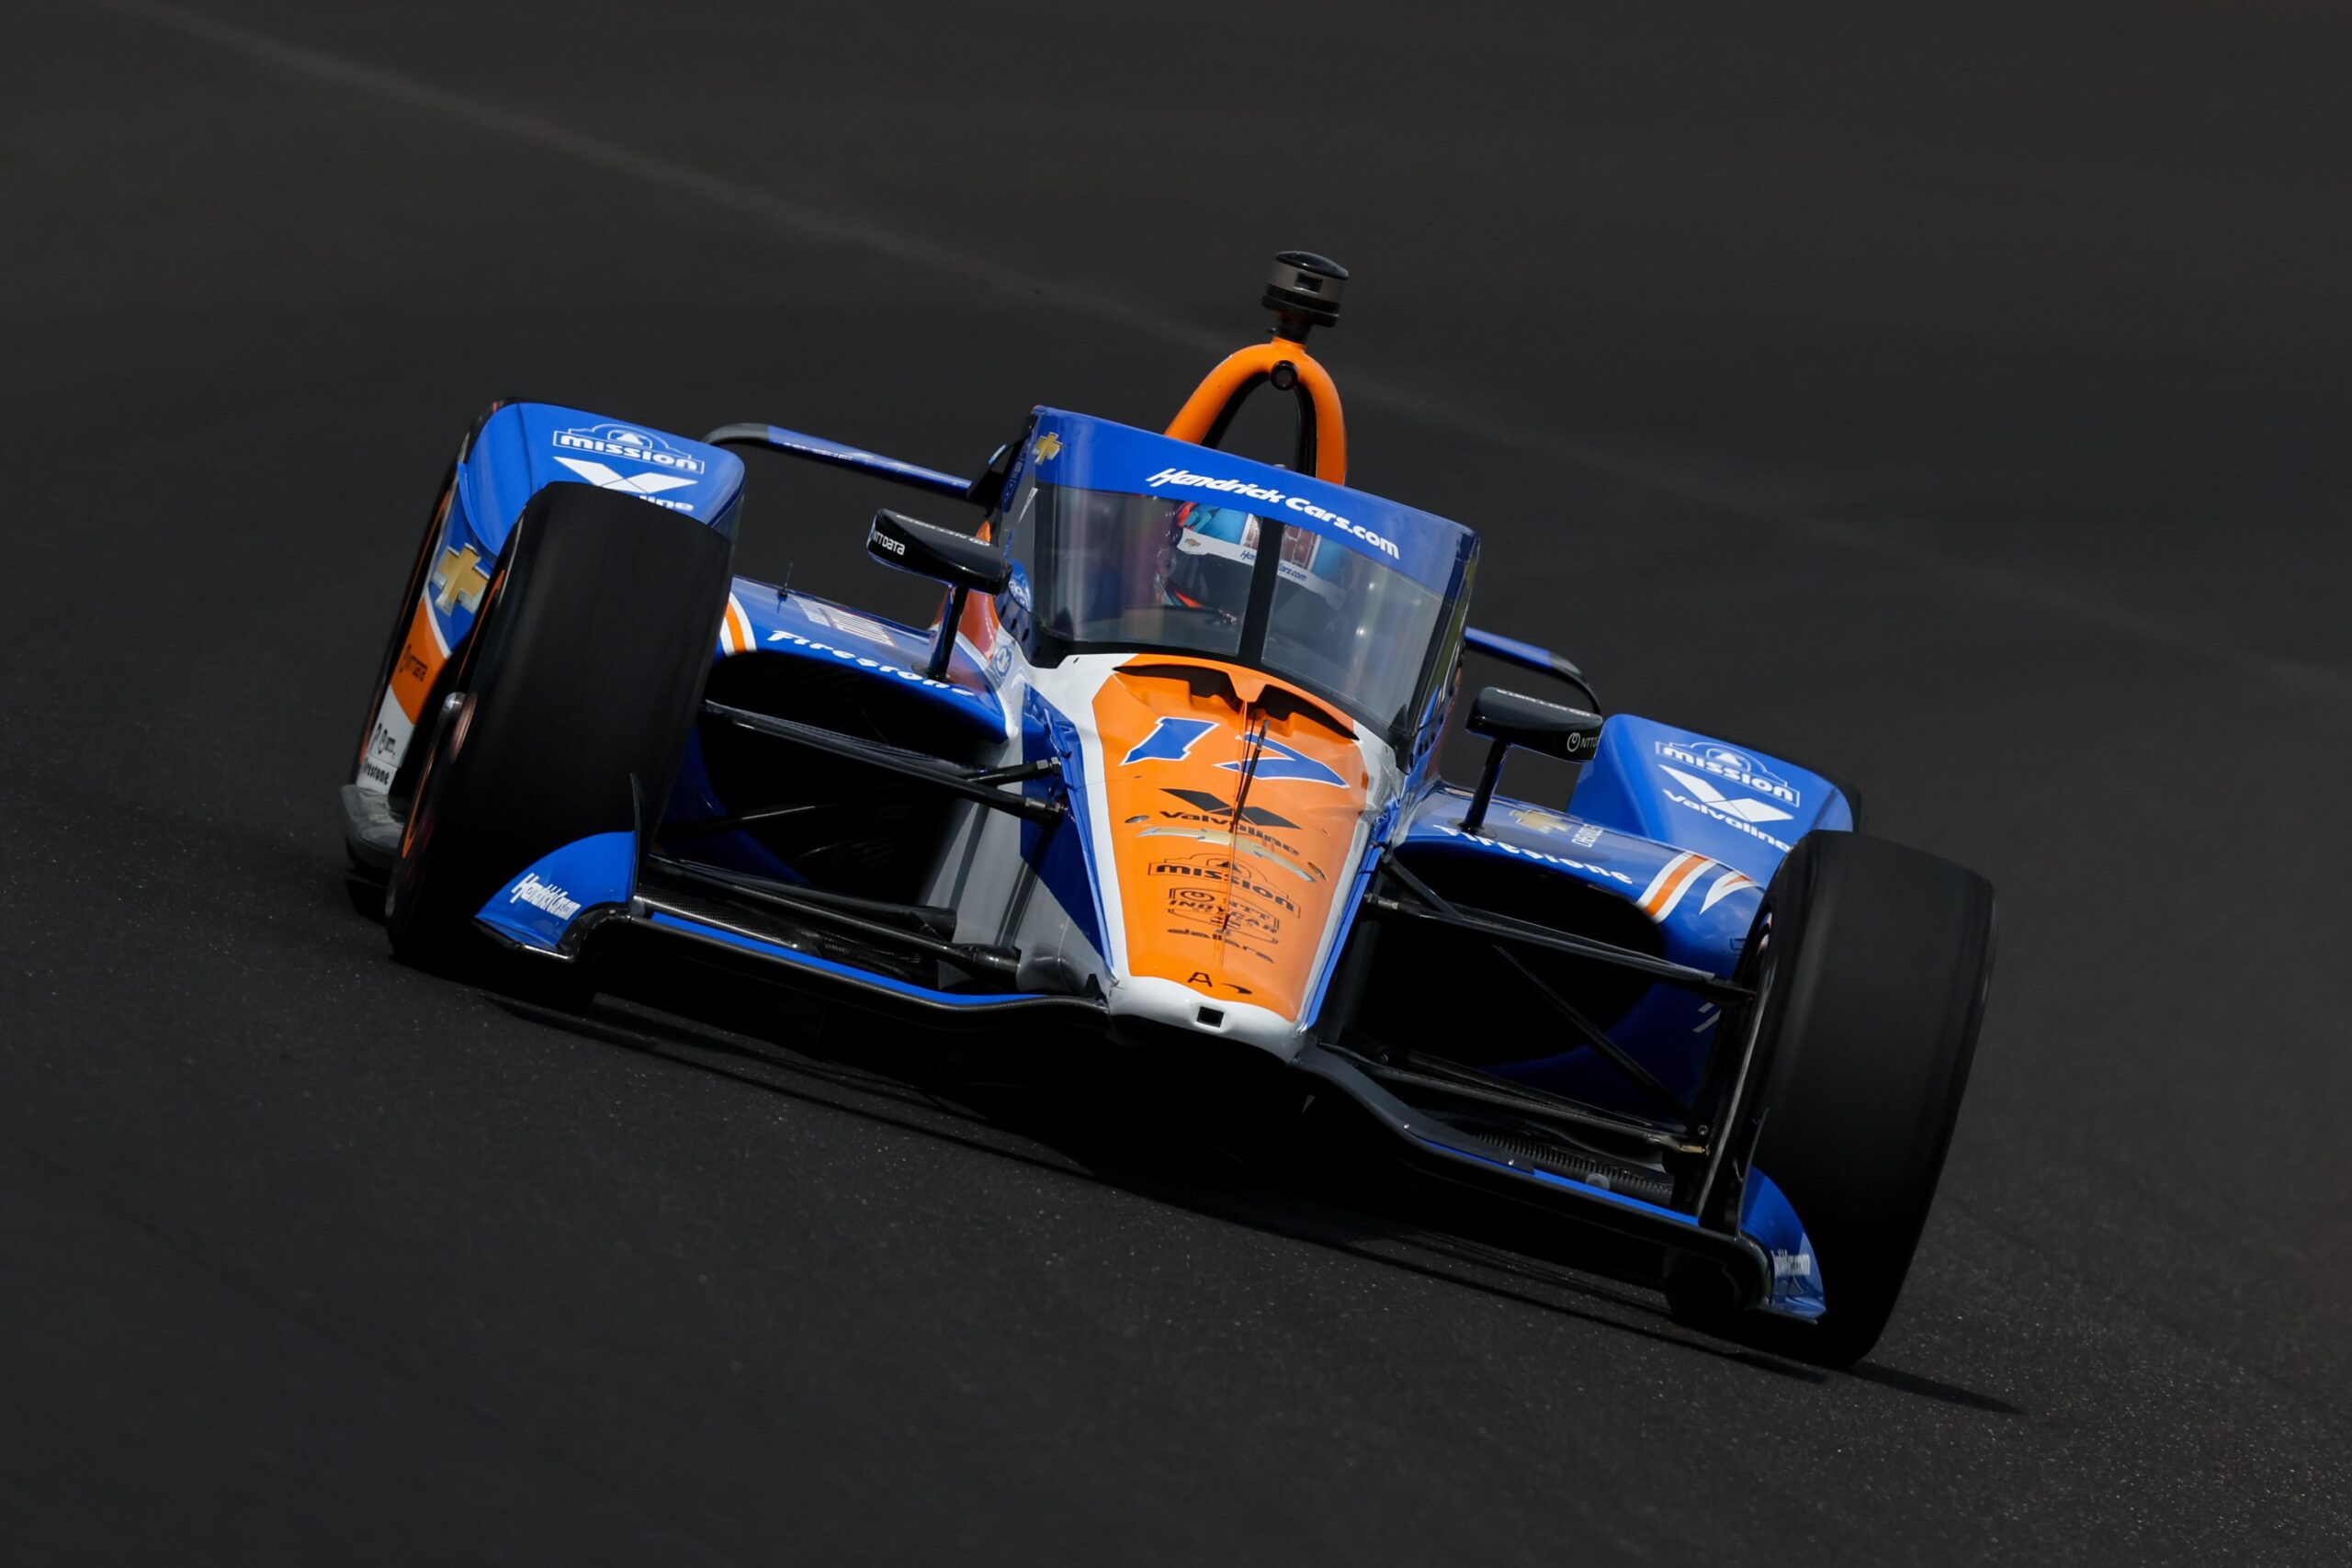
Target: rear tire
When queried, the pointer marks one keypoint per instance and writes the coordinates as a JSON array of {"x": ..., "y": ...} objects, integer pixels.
[
  {"x": 569, "y": 708},
  {"x": 1880, "y": 959}
]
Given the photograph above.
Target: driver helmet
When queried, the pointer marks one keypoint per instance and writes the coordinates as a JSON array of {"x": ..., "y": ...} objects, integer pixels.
[{"x": 1217, "y": 548}]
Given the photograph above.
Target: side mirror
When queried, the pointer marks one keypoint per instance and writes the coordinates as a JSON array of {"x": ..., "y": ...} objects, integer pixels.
[
  {"x": 940, "y": 554},
  {"x": 945, "y": 555},
  {"x": 1509, "y": 719}
]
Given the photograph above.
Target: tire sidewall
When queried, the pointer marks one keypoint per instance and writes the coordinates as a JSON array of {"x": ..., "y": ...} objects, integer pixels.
[
  {"x": 1880, "y": 958},
  {"x": 568, "y": 708}
]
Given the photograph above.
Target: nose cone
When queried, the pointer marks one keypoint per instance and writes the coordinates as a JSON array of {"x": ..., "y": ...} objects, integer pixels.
[
  {"x": 1157, "y": 1001},
  {"x": 1234, "y": 807}
]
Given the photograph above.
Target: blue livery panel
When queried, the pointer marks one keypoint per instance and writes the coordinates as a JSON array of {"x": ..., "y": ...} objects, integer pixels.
[
  {"x": 539, "y": 908},
  {"x": 1733, "y": 804},
  {"x": 526, "y": 446}
]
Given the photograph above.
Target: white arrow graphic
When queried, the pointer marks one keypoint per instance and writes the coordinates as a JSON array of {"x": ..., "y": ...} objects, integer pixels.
[
  {"x": 602, "y": 478},
  {"x": 1744, "y": 809}
]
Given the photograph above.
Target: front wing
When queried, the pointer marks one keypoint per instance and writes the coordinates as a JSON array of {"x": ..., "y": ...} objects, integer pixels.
[{"x": 609, "y": 891}]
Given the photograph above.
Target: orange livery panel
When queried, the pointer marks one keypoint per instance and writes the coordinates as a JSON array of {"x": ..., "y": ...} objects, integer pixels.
[{"x": 1233, "y": 803}]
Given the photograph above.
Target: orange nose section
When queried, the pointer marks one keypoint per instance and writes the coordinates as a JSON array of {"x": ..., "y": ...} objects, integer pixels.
[{"x": 1233, "y": 803}]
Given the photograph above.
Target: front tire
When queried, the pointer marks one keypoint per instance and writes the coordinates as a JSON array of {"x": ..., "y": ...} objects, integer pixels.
[
  {"x": 569, "y": 709},
  {"x": 1880, "y": 958}
]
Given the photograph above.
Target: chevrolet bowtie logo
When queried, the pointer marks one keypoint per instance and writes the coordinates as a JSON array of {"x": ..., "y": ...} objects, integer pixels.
[
  {"x": 459, "y": 580},
  {"x": 1047, "y": 446}
]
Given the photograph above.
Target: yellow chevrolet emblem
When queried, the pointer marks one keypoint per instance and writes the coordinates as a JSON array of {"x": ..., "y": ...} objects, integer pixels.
[
  {"x": 459, "y": 580},
  {"x": 1047, "y": 445}
]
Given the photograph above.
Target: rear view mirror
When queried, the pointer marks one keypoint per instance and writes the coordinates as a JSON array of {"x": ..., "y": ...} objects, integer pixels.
[
  {"x": 945, "y": 555},
  {"x": 1509, "y": 719},
  {"x": 1567, "y": 733},
  {"x": 940, "y": 554}
]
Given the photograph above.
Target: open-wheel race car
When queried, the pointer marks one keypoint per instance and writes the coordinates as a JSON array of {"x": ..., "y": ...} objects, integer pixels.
[{"x": 1165, "y": 767}]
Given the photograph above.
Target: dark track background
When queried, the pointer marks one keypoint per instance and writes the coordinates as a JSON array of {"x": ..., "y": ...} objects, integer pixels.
[{"x": 1960, "y": 403}]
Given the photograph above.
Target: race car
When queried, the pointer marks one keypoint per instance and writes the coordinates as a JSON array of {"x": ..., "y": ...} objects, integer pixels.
[{"x": 1164, "y": 769}]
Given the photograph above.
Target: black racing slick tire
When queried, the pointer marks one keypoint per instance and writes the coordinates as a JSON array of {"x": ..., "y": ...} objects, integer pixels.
[
  {"x": 1879, "y": 958},
  {"x": 569, "y": 708}
]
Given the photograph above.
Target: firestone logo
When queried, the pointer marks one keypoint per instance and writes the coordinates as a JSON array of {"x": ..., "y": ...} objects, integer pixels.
[
  {"x": 861, "y": 661},
  {"x": 1299, "y": 504},
  {"x": 1451, "y": 831}
]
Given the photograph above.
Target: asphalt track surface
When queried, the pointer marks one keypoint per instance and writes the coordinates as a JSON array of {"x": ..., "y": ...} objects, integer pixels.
[{"x": 1961, "y": 404}]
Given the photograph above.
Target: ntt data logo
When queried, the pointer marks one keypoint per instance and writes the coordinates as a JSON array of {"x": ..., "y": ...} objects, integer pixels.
[{"x": 1187, "y": 480}]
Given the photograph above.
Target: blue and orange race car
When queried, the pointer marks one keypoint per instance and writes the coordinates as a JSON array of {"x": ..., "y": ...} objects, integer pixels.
[{"x": 1165, "y": 767}]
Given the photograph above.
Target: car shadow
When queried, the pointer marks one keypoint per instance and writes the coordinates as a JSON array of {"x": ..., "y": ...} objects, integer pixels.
[{"x": 1231, "y": 1142}]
